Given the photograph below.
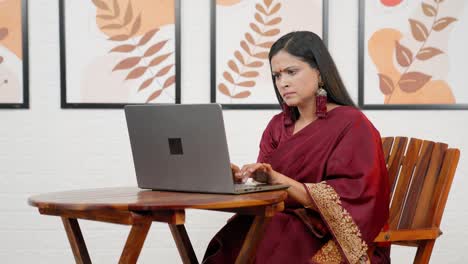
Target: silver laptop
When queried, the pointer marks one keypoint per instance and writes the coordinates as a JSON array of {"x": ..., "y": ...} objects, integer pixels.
[{"x": 183, "y": 148}]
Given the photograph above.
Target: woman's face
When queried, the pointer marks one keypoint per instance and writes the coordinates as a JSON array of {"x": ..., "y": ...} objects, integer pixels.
[{"x": 296, "y": 81}]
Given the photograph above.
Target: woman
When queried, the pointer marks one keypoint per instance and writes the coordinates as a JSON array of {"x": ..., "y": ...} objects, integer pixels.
[{"x": 330, "y": 155}]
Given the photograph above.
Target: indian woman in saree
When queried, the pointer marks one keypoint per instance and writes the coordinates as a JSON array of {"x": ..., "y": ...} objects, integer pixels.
[{"x": 331, "y": 156}]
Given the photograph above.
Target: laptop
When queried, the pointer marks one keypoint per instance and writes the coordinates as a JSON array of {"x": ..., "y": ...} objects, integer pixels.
[{"x": 183, "y": 147}]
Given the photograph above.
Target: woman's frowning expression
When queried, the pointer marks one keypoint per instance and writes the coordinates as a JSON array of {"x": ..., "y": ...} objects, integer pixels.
[{"x": 296, "y": 80}]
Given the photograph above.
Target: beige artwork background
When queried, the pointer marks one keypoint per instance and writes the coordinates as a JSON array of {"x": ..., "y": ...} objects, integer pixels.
[
  {"x": 130, "y": 51},
  {"x": 412, "y": 53},
  {"x": 11, "y": 65},
  {"x": 245, "y": 31}
]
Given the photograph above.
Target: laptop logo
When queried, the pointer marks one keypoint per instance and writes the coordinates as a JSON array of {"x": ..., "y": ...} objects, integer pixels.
[{"x": 175, "y": 146}]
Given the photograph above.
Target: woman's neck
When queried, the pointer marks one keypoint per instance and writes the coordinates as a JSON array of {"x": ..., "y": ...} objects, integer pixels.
[{"x": 307, "y": 113}]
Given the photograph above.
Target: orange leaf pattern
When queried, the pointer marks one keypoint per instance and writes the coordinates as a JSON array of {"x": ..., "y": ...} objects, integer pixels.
[
  {"x": 254, "y": 50},
  {"x": 138, "y": 66}
]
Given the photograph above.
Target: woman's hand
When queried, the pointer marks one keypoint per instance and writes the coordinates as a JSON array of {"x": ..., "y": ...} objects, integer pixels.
[
  {"x": 261, "y": 172},
  {"x": 234, "y": 170}
]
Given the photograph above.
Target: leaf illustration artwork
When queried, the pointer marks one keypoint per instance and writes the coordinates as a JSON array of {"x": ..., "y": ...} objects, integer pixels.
[
  {"x": 411, "y": 80},
  {"x": 239, "y": 78},
  {"x": 145, "y": 59}
]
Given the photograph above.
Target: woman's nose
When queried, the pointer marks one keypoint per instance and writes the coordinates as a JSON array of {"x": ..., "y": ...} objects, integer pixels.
[{"x": 282, "y": 83}]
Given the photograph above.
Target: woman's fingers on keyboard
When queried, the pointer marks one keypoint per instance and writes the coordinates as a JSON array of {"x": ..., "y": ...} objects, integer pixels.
[
  {"x": 238, "y": 178},
  {"x": 234, "y": 168}
]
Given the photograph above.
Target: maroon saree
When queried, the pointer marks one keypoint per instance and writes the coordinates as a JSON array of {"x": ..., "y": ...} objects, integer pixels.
[{"x": 340, "y": 161}]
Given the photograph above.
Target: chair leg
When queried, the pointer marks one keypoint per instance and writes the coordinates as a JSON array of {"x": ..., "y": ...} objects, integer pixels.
[{"x": 424, "y": 252}]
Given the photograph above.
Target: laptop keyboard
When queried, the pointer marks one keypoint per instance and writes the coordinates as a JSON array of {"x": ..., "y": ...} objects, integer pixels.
[{"x": 249, "y": 185}]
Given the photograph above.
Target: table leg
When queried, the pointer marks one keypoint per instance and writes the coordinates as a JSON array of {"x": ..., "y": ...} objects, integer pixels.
[
  {"x": 76, "y": 240},
  {"x": 135, "y": 242},
  {"x": 183, "y": 244},
  {"x": 247, "y": 253}
]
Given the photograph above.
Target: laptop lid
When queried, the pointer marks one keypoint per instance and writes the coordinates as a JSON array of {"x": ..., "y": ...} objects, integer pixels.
[{"x": 179, "y": 147}]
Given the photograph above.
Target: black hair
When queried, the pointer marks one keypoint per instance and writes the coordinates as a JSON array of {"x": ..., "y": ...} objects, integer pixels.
[{"x": 309, "y": 47}]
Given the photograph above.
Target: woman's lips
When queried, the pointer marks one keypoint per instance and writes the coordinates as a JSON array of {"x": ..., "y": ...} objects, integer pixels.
[{"x": 288, "y": 94}]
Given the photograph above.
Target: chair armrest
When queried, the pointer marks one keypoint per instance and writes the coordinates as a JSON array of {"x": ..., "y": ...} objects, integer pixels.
[{"x": 408, "y": 235}]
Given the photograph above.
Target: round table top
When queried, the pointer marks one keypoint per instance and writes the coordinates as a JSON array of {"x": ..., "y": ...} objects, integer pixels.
[{"x": 135, "y": 199}]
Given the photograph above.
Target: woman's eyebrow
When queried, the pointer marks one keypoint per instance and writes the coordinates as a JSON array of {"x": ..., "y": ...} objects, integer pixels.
[{"x": 285, "y": 69}]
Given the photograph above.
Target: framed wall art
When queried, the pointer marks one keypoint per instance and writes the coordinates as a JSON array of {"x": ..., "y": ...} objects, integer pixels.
[
  {"x": 242, "y": 32},
  {"x": 118, "y": 52},
  {"x": 412, "y": 54},
  {"x": 14, "y": 63}
]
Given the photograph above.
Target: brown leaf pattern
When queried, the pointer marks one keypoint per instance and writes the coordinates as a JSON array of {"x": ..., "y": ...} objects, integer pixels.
[
  {"x": 242, "y": 71},
  {"x": 412, "y": 81},
  {"x": 154, "y": 95},
  {"x": 443, "y": 23},
  {"x": 385, "y": 84},
  {"x": 403, "y": 55},
  {"x": 243, "y": 94},
  {"x": 164, "y": 70},
  {"x": 121, "y": 16},
  {"x": 418, "y": 30},
  {"x": 427, "y": 53},
  {"x": 147, "y": 37},
  {"x": 429, "y": 10},
  {"x": 246, "y": 84},
  {"x": 124, "y": 48}
]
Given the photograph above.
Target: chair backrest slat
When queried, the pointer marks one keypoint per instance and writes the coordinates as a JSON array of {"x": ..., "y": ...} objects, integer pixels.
[
  {"x": 403, "y": 182},
  {"x": 395, "y": 159},
  {"x": 415, "y": 187},
  {"x": 430, "y": 182},
  {"x": 387, "y": 143},
  {"x": 444, "y": 183}
]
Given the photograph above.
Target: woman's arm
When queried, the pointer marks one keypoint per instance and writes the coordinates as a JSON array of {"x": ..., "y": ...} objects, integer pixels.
[{"x": 263, "y": 172}]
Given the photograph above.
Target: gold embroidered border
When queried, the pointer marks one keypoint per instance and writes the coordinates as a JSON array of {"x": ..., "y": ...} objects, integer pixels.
[
  {"x": 328, "y": 254},
  {"x": 341, "y": 223}
]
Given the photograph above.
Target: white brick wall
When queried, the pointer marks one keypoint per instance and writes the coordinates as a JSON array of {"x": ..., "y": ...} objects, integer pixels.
[{"x": 49, "y": 149}]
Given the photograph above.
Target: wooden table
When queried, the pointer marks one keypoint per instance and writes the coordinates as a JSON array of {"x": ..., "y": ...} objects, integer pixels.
[{"x": 139, "y": 208}]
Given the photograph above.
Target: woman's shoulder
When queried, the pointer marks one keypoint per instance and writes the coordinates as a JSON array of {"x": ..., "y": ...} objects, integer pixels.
[
  {"x": 351, "y": 117},
  {"x": 277, "y": 119},
  {"x": 348, "y": 113}
]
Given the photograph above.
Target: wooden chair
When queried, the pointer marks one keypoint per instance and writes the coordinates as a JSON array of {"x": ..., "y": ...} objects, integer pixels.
[{"x": 420, "y": 180}]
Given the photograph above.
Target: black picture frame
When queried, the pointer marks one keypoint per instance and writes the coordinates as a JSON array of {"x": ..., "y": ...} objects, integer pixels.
[
  {"x": 63, "y": 62},
  {"x": 25, "y": 61},
  {"x": 325, "y": 7},
  {"x": 361, "y": 77}
]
